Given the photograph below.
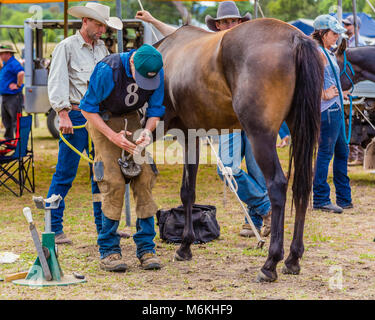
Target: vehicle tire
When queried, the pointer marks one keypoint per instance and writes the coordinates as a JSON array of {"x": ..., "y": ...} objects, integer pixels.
[{"x": 53, "y": 123}]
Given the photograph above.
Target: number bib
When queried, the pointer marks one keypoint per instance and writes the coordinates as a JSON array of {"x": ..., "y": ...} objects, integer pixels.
[{"x": 126, "y": 96}]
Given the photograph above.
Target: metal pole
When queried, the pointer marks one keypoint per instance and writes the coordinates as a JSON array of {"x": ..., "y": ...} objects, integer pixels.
[
  {"x": 256, "y": 9},
  {"x": 339, "y": 17},
  {"x": 65, "y": 18},
  {"x": 339, "y": 11},
  {"x": 47, "y": 220},
  {"x": 120, "y": 48},
  {"x": 355, "y": 21},
  {"x": 370, "y": 4},
  {"x": 120, "y": 45},
  {"x": 127, "y": 205}
]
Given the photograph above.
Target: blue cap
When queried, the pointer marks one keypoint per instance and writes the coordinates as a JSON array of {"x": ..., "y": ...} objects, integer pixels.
[
  {"x": 148, "y": 63},
  {"x": 327, "y": 21}
]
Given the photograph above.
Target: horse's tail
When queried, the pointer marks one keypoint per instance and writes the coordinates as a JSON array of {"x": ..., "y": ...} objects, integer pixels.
[{"x": 304, "y": 118}]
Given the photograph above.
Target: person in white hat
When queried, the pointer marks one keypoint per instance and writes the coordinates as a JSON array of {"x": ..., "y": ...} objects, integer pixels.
[
  {"x": 251, "y": 184},
  {"x": 11, "y": 84},
  {"x": 73, "y": 61}
]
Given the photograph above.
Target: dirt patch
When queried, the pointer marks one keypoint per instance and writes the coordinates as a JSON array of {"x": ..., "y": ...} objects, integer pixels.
[{"x": 338, "y": 262}]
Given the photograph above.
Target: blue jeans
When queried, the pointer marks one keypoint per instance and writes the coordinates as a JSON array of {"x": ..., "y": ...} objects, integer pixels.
[
  {"x": 66, "y": 171},
  {"x": 332, "y": 143},
  {"x": 284, "y": 130},
  {"x": 252, "y": 188},
  {"x": 109, "y": 240}
]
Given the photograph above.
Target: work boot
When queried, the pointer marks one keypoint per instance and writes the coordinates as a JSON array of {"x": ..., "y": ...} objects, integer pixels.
[
  {"x": 348, "y": 206},
  {"x": 247, "y": 231},
  {"x": 113, "y": 262},
  {"x": 123, "y": 234},
  {"x": 149, "y": 261},
  {"x": 266, "y": 230},
  {"x": 61, "y": 238},
  {"x": 330, "y": 208}
]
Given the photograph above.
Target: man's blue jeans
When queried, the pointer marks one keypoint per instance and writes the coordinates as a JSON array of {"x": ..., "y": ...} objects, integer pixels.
[
  {"x": 284, "y": 130},
  {"x": 109, "y": 240},
  {"x": 332, "y": 143},
  {"x": 66, "y": 170},
  {"x": 252, "y": 188}
]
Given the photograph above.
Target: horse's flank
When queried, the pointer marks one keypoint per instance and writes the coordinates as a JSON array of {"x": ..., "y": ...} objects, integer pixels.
[{"x": 211, "y": 71}]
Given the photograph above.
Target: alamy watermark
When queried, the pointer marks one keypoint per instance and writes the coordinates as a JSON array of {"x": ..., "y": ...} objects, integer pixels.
[
  {"x": 335, "y": 282},
  {"x": 182, "y": 146},
  {"x": 35, "y": 21}
]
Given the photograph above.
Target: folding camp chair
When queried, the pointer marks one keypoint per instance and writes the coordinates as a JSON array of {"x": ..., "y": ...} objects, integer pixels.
[
  {"x": 8, "y": 146},
  {"x": 15, "y": 168}
]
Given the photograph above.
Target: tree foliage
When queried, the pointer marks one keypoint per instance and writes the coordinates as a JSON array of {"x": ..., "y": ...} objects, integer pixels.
[{"x": 286, "y": 10}]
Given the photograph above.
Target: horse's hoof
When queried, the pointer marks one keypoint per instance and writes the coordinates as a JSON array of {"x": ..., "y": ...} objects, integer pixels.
[
  {"x": 262, "y": 277},
  {"x": 292, "y": 269},
  {"x": 177, "y": 257}
]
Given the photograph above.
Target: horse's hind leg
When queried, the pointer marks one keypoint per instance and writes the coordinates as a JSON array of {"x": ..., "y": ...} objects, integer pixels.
[
  {"x": 264, "y": 149},
  {"x": 291, "y": 264},
  {"x": 188, "y": 198}
]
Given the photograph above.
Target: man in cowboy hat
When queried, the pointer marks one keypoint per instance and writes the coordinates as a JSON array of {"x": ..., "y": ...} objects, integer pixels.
[
  {"x": 73, "y": 61},
  {"x": 11, "y": 84},
  {"x": 227, "y": 17},
  {"x": 119, "y": 86},
  {"x": 349, "y": 26},
  {"x": 251, "y": 184}
]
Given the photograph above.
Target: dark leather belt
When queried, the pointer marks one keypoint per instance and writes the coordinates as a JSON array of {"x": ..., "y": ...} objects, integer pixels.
[
  {"x": 75, "y": 107},
  {"x": 108, "y": 114}
]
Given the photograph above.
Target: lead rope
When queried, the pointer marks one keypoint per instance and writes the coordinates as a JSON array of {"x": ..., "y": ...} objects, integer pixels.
[
  {"x": 89, "y": 158},
  {"x": 228, "y": 176},
  {"x": 346, "y": 137}
]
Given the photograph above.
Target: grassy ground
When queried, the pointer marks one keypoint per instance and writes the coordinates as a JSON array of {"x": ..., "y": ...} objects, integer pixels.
[{"x": 338, "y": 262}]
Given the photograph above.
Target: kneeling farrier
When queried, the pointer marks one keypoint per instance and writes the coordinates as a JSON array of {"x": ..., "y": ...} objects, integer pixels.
[{"x": 119, "y": 86}]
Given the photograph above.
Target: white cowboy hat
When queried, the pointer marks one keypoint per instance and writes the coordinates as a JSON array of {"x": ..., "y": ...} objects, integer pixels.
[{"x": 97, "y": 12}]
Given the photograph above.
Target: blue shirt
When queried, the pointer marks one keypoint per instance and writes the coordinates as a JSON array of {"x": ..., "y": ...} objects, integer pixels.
[
  {"x": 101, "y": 85},
  {"x": 8, "y": 75},
  {"x": 329, "y": 80},
  {"x": 361, "y": 42}
]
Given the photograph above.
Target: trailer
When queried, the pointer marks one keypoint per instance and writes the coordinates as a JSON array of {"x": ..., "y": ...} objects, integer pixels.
[{"x": 135, "y": 33}]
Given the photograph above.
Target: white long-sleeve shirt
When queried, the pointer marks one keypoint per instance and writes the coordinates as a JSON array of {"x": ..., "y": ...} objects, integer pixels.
[{"x": 73, "y": 61}]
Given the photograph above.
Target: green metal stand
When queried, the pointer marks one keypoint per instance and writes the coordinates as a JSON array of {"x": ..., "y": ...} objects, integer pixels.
[{"x": 36, "y": 276}]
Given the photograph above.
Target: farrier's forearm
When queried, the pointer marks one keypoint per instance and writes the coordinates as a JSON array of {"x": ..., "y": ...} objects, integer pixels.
[
  {"x": 95, "y": 120},
  {"x": 152, "y": 123}
]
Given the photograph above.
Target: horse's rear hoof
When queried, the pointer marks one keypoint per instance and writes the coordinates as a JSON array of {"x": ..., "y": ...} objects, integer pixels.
[
  {"x": 262, "y": 277},
  {"x": 178, "y": 257},
  {"x": 292, "y": 269}
]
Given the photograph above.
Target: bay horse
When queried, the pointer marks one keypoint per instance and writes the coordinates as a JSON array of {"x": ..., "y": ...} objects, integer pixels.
[
  {"x": 362, "y": 60},
  {"x": 252, "y": 76}
]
